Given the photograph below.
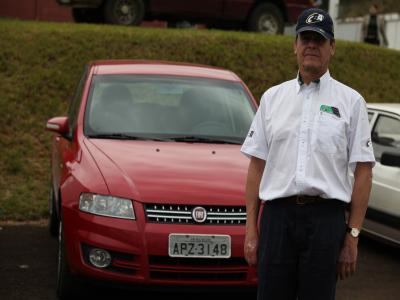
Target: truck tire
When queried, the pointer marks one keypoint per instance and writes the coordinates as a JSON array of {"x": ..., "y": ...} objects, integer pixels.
[
  {"x": 124, "y": 12},
  {"x": 87, "y": 15},
  {"x": 266, "y": 18}
]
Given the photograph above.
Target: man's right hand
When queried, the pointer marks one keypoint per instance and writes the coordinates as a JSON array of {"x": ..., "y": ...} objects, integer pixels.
[{"x": 251, "y": 248}]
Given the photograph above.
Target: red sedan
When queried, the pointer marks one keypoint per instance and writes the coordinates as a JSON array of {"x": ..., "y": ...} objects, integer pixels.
[{"x": 147, "y": 177}]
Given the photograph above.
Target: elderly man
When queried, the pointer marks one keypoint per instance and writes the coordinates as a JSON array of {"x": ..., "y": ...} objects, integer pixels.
[{"x": 308, "y": 136}]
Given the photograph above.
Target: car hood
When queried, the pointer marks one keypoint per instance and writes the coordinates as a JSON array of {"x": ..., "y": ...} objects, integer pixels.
[{"x": 172, "y": 172}]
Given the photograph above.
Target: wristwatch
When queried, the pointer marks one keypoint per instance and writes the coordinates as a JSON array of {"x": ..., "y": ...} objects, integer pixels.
[{"x": 354, "y": 232}]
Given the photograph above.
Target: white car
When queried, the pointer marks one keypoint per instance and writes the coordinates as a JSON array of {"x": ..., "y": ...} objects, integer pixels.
[{"x": 383, "y": 214}]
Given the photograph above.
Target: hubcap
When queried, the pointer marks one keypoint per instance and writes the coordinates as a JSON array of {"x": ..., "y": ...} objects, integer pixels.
[
  {"x": 125, "y": 11},
  {"x": 267, "y": 24}
]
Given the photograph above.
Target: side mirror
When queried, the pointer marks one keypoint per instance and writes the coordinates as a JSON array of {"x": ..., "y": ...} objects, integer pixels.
[
  {"x": 58, "y": 125},
  {"x": 390, "y": 159}
]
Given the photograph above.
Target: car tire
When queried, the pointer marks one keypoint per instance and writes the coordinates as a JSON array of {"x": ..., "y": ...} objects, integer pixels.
[
  {"x": 87, "y": 15},
  {"x": 53, "y": 217},
  {"x": 266, "y": 18},
  {"x": 124, "y": 12},
  {"x": 67, "y": 286}
]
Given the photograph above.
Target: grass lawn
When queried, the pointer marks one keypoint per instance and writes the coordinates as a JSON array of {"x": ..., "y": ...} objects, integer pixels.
[{"x": 40, "y": 64}]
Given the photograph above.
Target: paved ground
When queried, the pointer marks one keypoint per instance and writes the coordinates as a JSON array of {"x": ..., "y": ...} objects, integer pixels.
[{"x": 28, "y": 270}]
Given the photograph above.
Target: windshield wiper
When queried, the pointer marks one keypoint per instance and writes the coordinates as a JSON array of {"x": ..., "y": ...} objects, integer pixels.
[
  {"x": 202, "y": 139},
  {"x": 125, "y": 136}
]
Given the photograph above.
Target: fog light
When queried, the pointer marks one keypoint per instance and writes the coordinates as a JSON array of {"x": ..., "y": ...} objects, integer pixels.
[{"x": 99, "y": 258}]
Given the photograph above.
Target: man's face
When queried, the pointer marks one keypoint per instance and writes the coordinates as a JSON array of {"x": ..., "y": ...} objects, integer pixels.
[{"x": 313, "y": 52}]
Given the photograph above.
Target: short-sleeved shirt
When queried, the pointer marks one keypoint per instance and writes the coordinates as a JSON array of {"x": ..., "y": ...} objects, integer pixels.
[{"x": 311, "y": 137}]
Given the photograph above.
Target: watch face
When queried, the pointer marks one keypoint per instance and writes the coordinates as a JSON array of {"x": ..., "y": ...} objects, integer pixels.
[{"x": 355, "y": 232}]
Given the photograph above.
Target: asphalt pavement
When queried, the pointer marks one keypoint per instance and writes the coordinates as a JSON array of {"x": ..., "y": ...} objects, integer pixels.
[{"x": 28, "y": 265}]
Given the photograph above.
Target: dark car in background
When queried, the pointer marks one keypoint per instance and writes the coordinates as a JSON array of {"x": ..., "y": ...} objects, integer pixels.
[{"x": 266, "y": 16}]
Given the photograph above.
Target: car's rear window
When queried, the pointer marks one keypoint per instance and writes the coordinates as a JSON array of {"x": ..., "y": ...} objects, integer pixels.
[{"x": 166, "y": 106}]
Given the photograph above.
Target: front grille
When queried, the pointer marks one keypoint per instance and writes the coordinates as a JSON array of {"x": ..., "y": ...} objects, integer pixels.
[
  {"x": 230, "y": 269},
  {"x": 182, "y": 214},
  {"x": 236, "y": 262},
  {"x": 240, "y": 276}
]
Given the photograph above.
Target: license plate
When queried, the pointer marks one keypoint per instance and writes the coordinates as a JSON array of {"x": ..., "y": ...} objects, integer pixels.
[{"x": 199, "y": 245}]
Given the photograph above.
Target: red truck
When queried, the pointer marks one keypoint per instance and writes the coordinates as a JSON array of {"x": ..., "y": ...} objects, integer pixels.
[{"x": 266, "y": 16}]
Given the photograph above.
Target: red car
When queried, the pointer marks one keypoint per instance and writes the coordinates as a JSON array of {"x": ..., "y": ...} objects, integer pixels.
[{"x": 147, "y": 177}]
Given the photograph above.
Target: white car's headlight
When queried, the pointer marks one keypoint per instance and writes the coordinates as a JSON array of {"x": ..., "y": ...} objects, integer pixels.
[{"x": 106, "y": 206}]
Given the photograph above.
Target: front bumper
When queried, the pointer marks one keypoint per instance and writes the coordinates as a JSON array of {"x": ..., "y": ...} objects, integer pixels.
[{"x": 140, "y": 253}]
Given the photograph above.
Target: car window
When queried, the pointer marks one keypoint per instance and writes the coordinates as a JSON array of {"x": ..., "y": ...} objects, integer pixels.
[
  {"x": 166, "y": 106},
  {"x": 75, "y": 103},
  {"x": 386, "y": 135}
]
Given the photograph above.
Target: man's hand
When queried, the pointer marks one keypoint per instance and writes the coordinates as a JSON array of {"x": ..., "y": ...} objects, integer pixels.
[
  {"x": 250, "y": 248},
  {"x": 348, "y": 257},
  {"x": 254, "y": 174}
]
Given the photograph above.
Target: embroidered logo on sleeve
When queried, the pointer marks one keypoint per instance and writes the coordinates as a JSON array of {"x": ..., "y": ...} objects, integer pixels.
[
  {"x": 251, "y": 133},
  {"x": 369, "y": 143}
]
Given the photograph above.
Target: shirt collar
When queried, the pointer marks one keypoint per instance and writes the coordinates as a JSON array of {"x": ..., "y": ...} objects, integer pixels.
[{"x": 321, "y": 82}]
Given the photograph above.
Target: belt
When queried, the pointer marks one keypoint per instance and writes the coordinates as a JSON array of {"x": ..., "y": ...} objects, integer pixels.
[{"x": 301, "y": 200}]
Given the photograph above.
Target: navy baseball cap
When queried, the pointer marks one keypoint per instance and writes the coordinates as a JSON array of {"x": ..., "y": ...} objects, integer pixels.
[{"x": 315, "y": 19}]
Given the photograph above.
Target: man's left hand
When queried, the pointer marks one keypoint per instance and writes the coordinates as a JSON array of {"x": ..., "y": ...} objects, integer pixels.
[{"x": 348, "y": 257}]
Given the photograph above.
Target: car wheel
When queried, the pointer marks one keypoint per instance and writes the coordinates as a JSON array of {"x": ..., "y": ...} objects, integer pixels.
[
  {"x": 124, "y": 12},
  {"x": 53, "y": 218},
  {"x": 67, "y": 285},
  {"x": 87, "y": 15},
  {"x": 266, "y": 18}
]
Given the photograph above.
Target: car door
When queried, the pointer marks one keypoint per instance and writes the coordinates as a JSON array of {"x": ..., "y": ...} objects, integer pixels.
[
  {"x": 385, "y": 194},
  {"x": 188, "y": 9}
]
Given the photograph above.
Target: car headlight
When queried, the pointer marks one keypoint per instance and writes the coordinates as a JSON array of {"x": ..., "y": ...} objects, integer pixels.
[{"x": 109, "y": 206}]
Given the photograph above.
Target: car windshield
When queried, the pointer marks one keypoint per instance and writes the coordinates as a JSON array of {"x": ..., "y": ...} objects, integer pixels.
[{"x": 168, "y": 108}]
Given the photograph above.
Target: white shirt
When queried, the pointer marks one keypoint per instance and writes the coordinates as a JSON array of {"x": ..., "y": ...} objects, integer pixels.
[{"x": 311, "y": 138}]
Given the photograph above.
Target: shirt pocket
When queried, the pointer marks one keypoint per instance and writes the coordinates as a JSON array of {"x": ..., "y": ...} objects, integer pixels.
[{"x": 330, "y": 134}]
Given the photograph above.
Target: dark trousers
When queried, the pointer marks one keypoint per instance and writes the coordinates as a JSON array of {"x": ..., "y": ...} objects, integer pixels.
[{"x": 298, "y": 250}]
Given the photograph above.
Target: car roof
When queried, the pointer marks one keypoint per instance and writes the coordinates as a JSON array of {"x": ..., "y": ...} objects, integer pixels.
[
  {"x": 391, "y": 107},
  {"x": 155, "y": 67}
]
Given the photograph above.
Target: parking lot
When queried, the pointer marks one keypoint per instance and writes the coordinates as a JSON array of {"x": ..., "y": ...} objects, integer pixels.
[{"x": 28, "y": 270}]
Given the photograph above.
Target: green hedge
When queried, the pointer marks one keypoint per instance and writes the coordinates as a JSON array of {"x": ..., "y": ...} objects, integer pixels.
[{"x": 40, "y": 64}]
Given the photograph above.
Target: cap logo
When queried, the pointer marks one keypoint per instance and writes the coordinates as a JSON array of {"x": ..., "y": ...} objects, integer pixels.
[{"x": 314, "y": 18}]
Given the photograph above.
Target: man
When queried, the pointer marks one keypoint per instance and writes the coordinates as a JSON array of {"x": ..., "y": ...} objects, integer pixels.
[
  {"x": 373, "y": 27},
  {"x": 308, "y": 135}
]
